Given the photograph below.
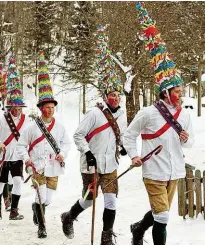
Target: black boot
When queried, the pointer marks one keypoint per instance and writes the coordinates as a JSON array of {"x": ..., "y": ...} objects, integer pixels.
[
  {"x": 67, "y": 219},
  {"x": 159, "y": 233},
  {"x": 138, "y": 229},
  {"x": 108, "y": 222},
  {"x": 42, "y": 231},
  {"x": 106, "y": 238},
  {"x": 41, "y": 226},
  {"x": 14, "y": 215},
  {"x": 35, "y": 220}
]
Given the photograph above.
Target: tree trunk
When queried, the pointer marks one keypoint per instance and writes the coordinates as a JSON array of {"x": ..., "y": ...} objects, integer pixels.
[
  {"x": 144, "y": 96},
  {"x": 132, "y": 103},
  {"x": 151, "y": 94},
  {"x": 84, "y": 95}
]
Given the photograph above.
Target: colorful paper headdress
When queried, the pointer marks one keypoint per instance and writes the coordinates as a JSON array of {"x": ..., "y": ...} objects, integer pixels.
[
  {"x": 14, "y": 86},
  {"x": 166, "y": 74},
  {"x": 44, "y": 84},
  {"x": 109, "y": 80}
]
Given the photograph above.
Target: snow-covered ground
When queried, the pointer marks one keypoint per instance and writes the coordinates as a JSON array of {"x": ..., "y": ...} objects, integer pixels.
[{"x": 132, "y": 199}]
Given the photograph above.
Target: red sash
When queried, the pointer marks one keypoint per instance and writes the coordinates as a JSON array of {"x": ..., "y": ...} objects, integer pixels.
[
  {"x": 97, "y": 131},
  {"x": 161, "y": 130},
  {"x": 42, "y": 136},
  {"x": 18, "y": 127}
]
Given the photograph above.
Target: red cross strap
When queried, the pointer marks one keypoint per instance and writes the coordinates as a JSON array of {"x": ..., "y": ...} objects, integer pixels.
[
  {"x": 96, "y": 131},
  {"x": 161, "y": 130}
]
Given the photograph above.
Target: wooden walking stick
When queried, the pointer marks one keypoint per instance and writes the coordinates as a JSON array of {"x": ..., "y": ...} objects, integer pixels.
[
  {"x": 95, "y": 183},
  {"x": 144, "y": 159}
]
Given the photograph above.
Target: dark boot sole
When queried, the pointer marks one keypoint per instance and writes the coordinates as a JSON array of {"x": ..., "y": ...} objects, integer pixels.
[
  {"x": 42, "y": 236},
  {"x": 42, "y": 233},
  {"x": 16, "y": 218}
]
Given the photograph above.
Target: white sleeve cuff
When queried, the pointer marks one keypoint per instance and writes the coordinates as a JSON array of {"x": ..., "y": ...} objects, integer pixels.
[
  {"x": 132, "y": 153},
  {"x": 86, "y": 149}
]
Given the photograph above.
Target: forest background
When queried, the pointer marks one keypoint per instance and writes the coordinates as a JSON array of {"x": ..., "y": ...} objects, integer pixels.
[{"x": 67, "y": 30}]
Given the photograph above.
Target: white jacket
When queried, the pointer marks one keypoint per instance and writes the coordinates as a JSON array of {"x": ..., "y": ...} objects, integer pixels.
[
  {"x": 103, "y": 144},
  {"x": 5, "y": 132},
  {"x": 42, "y": 155},
  {"x": 169, "y": 163}
]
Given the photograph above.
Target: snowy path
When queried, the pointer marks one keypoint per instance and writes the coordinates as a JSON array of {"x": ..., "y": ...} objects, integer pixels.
[{"x": 132, "y": 204}]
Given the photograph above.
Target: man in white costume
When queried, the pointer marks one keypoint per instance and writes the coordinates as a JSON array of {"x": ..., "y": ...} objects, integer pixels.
[
  {"x": 164, "y": 123},
  {"x": 12, "y": 123},
  {"x": 97, "y": 138},
  {"x": 40, "y": 159}
]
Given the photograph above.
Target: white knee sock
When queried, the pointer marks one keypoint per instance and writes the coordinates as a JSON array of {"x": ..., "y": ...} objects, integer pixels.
[
  {"x": 17, "y": 183},
  {"x": 49, "y": 195},
  {"x": 42, "y": 191}
]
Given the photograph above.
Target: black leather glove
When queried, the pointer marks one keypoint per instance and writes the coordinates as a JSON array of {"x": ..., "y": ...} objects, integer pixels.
[
  {"x": 91, "y": 161},
  {"x": 123, "y": 151}
]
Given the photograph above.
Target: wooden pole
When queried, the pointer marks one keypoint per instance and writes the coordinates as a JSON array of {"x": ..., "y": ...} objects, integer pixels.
[{"x": 94, "y": 202}]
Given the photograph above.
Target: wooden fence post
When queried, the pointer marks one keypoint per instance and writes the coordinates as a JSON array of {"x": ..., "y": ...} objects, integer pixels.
[
  {"x": 197, "y": 182},
  {"x": 190, "y": 191},
  {"x": 204, "y": 191},
  {"x": 182, "y": 197}
]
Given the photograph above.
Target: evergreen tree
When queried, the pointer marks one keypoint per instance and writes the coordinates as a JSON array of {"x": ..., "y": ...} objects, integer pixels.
[{"x": 80, "y": 45}]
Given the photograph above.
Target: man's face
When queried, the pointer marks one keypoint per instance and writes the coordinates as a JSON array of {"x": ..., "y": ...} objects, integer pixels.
[
  {"x": 16, "y": 111},
  {"x": 114, "y": 99},
  {"x": 175, "y": 96},
  {"x": 48, "y": 110}
]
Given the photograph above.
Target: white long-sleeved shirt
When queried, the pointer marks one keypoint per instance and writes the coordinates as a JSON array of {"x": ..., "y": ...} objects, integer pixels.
[
  {"x": 169, "y": 163},
  {"x": 42, "y": 154},
  {"x": 103, "y": 144},
  {"x": 5, "y": 132}
]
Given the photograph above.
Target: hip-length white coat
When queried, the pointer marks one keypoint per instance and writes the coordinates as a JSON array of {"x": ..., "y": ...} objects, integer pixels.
[
  {"x": 5, "y": 132},
  {"x": 103, "y": 144},
  {"x": 169, "y": 164},
  {"x": 42, "y": 155}
]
